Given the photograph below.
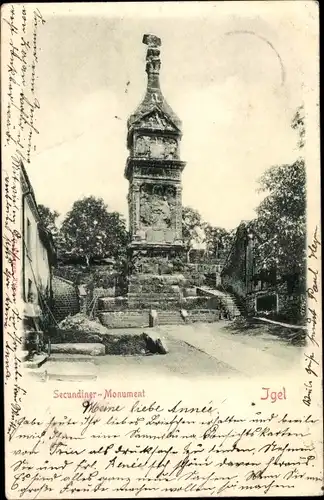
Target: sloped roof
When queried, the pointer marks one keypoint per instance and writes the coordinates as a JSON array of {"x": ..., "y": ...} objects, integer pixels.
[{"x": 153, "y": 100}]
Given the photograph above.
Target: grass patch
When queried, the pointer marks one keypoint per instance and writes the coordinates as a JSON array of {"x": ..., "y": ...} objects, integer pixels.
[
  {"x": 251, "y": 326},
  {"x": 80, "y": 329}
]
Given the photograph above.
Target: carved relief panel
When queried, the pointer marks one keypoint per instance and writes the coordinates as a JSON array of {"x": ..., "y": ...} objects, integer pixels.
[
  {"x": 163, "y": 148},
  {"x": 155, "y": 120},
  {"x": 158, "y": 212}
]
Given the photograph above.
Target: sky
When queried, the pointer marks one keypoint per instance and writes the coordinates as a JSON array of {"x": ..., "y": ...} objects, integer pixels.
[{"x": 233, "y": 74}]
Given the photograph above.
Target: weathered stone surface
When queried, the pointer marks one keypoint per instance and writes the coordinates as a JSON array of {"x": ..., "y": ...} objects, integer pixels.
[
  {"x": 91, "y": 349},
  {"x": 155, "y": 343},
  {"x": 170, "y": 317},
  {"x": 36, "y": 361},
  {"x": 154, "y": 171},
  {"x": 203, "y": 316},
  {"x": 153, "y": 296},
  {"x": 124, "y": 319},
  {"x": 153, "y": 318}
]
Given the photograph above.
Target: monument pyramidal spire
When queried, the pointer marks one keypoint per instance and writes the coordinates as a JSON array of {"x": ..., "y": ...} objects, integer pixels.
[
  {"x": 153, "y": 170},
  {"x": 153, "y": 98}
]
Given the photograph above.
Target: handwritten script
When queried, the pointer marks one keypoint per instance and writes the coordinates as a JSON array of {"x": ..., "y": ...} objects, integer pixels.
[
  {"x": 142, "y": 446},
  {"x": 22, "y": 102},
  {"x": 20, "y": 31},
  {"x": 142, "y": 449},
  {"x": 312, "y": 365}
]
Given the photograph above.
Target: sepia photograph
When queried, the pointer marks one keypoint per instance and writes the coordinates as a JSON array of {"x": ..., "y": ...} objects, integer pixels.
[{"x": 161, "y": 235}]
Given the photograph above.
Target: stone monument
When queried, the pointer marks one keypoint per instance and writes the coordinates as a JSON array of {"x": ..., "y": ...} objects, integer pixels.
[{"x": 153, "y": 170}]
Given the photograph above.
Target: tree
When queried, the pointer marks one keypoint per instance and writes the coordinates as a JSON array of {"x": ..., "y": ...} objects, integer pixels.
[
  {"x": 90, "y": 231},
  {"x": 192, "y": 229},
  {"x": 48, "y": 219},
  {"x": 218, "y": 241},
  {"x": 281, "y": 216},
  {"x": 298, "y": 123}
]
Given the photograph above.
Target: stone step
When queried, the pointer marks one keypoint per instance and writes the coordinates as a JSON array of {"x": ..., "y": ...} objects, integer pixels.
[
  {"x": 117, "y": 301},
  {"x": 62, "y": 357},
  {"x": 89, "y": 349},
  {"x": 162, "y": 304},
  {"x": 208, "y": 317},
  {"x": 173, "y": 279},
  {"x": 169, "y": 318},
  {"x": 170, "y": 313},
  {"x": 153, "y": 295},
  {"x": 170, "y": 321},
  {"x": 112, "y": 304}
]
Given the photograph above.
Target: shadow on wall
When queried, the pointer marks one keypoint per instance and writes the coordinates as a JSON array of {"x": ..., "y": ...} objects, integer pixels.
[{"x": 65, "y": 298}]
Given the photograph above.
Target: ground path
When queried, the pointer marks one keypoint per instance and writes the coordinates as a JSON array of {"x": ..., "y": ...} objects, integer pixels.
[{"x": 194, "y": 350}]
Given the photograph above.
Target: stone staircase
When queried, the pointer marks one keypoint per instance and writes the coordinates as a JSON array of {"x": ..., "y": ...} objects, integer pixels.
[
  {"x": 153, "y": 300},
  {"x": 168, "y": 302},
  {"x": 170, "y": 318},
  {"x": 229, "y": 304}
]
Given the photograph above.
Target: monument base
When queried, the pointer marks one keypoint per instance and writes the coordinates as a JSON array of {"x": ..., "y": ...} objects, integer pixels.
[
  {"x": 154, "y": 258},
  {"x": 154, "y": 281},
  {"x": 154, "y": 291}
]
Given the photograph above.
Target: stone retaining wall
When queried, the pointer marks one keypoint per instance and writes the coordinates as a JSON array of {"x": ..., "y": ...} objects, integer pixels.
[
  {"x": 65, "y": 298},
  {"x": 124, "y": 319}
]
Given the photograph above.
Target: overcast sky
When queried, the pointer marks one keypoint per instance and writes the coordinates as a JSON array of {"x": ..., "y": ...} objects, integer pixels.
[{"x": 233, "y": 75}]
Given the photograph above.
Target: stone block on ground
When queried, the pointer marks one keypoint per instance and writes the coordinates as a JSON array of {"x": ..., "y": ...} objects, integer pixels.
[
  {"x": 155, "y": 342},
  {"x": 36, "y": 361},
  {"x": 91, "y": 349}
]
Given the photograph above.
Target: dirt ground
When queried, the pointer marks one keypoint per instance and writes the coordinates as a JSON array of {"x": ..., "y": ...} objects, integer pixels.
[{"x": 195, "y": 350}]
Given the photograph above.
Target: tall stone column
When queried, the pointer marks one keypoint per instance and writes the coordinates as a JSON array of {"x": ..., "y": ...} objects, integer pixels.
[{"x": 153, "y": 137}]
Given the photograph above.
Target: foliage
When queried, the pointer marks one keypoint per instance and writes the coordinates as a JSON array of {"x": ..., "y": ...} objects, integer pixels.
[
  {"x": 281, "y": 216},
  {"x": 253, "y": 327},
  {"x": 298, "y": 123},
  {"x": 192, "y": 228},
  {"x": 90, "y": 231},
  {"x": 48, "y": 218},
  {"x": 218, "y": 241}
]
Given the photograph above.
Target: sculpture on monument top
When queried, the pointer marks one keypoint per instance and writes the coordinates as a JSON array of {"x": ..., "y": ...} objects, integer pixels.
[{"x": 153, "y": 63}]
